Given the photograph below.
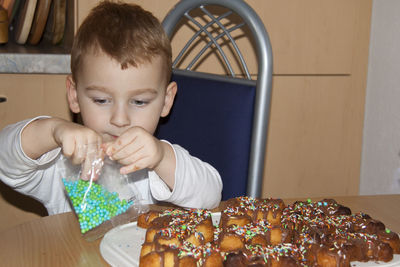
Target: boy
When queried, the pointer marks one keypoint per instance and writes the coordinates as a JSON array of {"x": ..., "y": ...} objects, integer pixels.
[{"x": 121, "y": 66}]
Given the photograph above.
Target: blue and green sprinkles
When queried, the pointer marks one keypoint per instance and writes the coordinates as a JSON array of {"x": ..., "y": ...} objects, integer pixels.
[{"x": 99, "y": 205}]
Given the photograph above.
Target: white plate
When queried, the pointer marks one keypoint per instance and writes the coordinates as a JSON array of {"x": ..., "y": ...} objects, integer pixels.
[{"x": 121, "y": 247}]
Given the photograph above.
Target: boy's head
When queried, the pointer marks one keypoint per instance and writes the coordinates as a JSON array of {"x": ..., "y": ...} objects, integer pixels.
[
  {"x": 121, "y": 66},
  {"x": 125, "y": 32}
]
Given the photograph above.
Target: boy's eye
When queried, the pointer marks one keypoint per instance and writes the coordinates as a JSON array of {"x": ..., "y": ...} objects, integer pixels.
[
  {"x": 100, "y": 101},
  {"x": 139, "y": 102}
]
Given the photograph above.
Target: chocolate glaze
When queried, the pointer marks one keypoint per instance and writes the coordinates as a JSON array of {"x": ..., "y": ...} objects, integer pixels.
[
  {"x": 390, "y": 238},
  {"x": 322, "y": 233},
  {"x": 235, "y": 259}
]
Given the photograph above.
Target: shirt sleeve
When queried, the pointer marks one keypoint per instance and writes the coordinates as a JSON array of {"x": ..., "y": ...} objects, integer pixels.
[
  {"x": 17, "y": 170},
  {"x": 197, "y": 183}
]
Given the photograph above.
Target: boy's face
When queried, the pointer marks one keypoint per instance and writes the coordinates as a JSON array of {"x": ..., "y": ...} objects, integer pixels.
[{"x": 111, "y": 100}]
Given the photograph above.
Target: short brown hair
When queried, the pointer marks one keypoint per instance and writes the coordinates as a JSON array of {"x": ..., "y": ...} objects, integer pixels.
[{"x": 126, "y": 32}]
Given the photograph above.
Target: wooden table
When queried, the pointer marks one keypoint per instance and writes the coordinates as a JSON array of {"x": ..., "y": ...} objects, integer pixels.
[{"x": 57, "y": 241}]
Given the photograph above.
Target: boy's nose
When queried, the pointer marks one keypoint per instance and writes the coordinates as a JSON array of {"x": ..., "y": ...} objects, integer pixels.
[{"x": 120, "y": 117}]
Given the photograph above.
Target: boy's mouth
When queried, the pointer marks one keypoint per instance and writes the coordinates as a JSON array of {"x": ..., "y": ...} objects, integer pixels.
[
  {"x": 109, "y": 137},
  {"x": 113, "y": 137}
]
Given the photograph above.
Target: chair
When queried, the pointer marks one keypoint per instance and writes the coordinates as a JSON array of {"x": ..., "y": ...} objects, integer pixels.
[{"x": 222, "y": 119}]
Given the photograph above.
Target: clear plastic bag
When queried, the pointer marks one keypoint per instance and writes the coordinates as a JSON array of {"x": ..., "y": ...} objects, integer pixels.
[{"x": 101, "y": 197}]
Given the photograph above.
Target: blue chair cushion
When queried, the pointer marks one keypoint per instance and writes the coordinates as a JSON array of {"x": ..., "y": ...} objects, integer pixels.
[{"x": 212, "y": 118}]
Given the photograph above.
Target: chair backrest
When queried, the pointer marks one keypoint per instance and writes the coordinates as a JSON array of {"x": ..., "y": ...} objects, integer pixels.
[
  {"x": 212, "y": 126},
  {"x": 223, "y": 101}
]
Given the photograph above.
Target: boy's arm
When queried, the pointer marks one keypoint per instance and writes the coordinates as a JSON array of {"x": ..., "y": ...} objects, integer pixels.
[
  {"x": 197, "y": 183},
  {"x": 16, "y": 168},
  {"x": 166, "y": 167},
  {"x": 27, "y": 176},
  {"x": 41, "y": 136},
  {"x": 37, "y": 137}
]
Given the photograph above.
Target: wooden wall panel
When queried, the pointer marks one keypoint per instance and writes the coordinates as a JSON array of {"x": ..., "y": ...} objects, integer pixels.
[
  {"x": 309, "y": 37},
  {"x": 27, "y": 96},
  {"x": 32, "y": 95},
  {"x": 312, "y": 143},
  {"x": 315, "y": 137}
]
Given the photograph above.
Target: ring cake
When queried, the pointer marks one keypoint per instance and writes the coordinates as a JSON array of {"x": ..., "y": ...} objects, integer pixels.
[{"x": 265, "y": 232}]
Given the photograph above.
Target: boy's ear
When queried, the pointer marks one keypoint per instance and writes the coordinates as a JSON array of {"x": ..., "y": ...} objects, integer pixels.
[
  {"x": 169, "y": 98},
  {"x": 72, "y": 95}
]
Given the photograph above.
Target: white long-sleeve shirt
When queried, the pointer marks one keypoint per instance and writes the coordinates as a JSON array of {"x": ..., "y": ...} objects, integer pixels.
[{"x": 197, "y": 184}]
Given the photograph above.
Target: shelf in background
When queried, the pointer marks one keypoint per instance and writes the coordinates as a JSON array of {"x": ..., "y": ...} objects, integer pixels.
[
  {"x": 43, "y": 57},
  {"x": 34, "y": 63}
]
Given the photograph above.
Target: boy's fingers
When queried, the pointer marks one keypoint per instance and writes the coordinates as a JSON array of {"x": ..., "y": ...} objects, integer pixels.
[
  {"x": 131, "y": 151},
  {"x": 140, "y": 163},
  {"x": 89, "y": 171},
  {"x": 93, "y": 161},
  {"x": 91, "y": 166},
  {"x": 85, "y": 170},
  {"x": 132, "y": 157},
  {"x": 122, "y": 141},
  {"x": 68, "y": 147},
  {"x": 131, "y": 168},
  {"x": 110, "y": 150},
  {"x": 105, "y": 146},
  {"x": 67, "y": 151},
  {"x": 79, "y": 154},
  {"x": 116, "y": 146}
]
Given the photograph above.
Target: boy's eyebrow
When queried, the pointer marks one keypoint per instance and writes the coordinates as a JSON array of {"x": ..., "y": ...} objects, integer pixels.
[
  {"x": 145, "y": 90},
  {"x": 135, "y": 91},
  {"x": 96, "y": 88}
]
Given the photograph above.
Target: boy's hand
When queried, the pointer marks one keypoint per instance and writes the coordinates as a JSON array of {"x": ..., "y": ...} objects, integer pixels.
[
  {"x": 135, "y": 149},
  {"x": 81, "y": 145}
]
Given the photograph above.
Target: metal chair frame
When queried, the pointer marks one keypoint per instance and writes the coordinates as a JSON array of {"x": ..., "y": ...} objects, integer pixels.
[{"x": 264, "y": 56}]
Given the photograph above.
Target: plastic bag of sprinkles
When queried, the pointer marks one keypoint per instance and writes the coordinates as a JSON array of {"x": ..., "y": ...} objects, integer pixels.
[{"x": 101, "y": 197}]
